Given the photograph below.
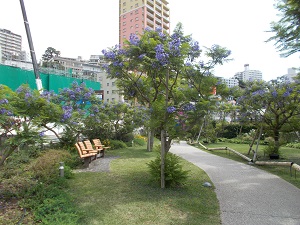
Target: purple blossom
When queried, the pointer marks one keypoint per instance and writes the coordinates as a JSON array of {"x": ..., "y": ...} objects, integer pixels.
[
  {"x": 188, "y": 107},
  {"x": 106, "y": 68},
  {"x": 258, "y": 92},
  {"x": 274, "y": 94},
  {"x": 171, "y": 109},
  {"x": 158, "y": 29},
  {"x": 162, "y": 35},
  {"x": 42, "y": 134},
  {"x": 142, "y": 56},
  {"x": 133, "y": 39},
  {"x": 67, "y": 113},
  {"x": 5, "y": 112},
  {"x": 161, "y": 55},
  {"x": 174, "y": 46},
  {"x": 4, "y": 101},
  {"x": 148, "y": 29},
  {"x": 109, "y": 54},
  {"x": 201, "y": 64},
  {"x": 286, "y": 94},
  {"x": 188, "y": 64}
]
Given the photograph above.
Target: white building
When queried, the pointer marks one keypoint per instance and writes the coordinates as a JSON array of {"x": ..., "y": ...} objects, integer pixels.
[
  {"x": 230, "y": 82},
  {"x": 249, "y": 75},
  {"x": 291, "y": 74},
  {"x": 11, "y": 45}
]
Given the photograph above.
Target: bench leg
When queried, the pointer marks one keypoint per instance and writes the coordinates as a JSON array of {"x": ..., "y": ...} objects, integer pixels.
[{"x": 86, "y": 162}]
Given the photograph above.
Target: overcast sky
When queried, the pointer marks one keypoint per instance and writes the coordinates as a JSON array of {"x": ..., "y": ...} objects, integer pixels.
[{"x": 83, "y": 28}]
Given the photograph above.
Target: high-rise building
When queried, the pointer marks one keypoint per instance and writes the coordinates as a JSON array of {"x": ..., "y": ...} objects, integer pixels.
[
  {"x": 11, "y": 45},
  {"x": 136, "y": 15},
  {"x": 249, "y": 75}
]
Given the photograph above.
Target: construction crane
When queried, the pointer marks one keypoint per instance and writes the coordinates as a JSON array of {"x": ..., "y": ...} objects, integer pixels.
[{"x": 32, "y": 52}]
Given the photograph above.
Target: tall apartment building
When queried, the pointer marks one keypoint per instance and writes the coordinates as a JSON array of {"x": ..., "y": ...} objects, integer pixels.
[
  {"x": 248, "y": 75},
  {"x": 136, "y": 15},
  {"x": 10, "y": 44}
]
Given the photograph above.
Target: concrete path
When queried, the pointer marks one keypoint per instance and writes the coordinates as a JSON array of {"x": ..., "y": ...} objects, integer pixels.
[{"x": 247, "y": 195}]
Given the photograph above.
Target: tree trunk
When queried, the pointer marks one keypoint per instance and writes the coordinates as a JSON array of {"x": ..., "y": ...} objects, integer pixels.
[
  {"x": 162, "y": 155},
  {"x": 257, "y": 143},
  {"x": 252, "y": 143},
  {"x": 150, "y": 141},
  {"x": 6, "y": 154},
  {"x": 276, "y": 141}
]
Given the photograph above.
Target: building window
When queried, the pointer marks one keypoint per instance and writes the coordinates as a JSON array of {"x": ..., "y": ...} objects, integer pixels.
[
  {"x": 131, "y": 27},
  {"x": 113, "y": 99},
  {"x": 136, "y": 18},
  {"x": 124, "y": 10},
  {"x": 136, "y": 25},
  {"x": 124, "y": 17},
  {"x": 131, "y": 20},
  {"x": 107, "y": 84},
  {"x": 124, "y": 3},
  {"x": 136, "y": 11},
  {"x": 124, "y": 23},
  {"x": 107, "y": 92},
  {"x": 107, "y": 100},
  {"x": 137, "y": 4},
  {"x": 113, "y": 84}
]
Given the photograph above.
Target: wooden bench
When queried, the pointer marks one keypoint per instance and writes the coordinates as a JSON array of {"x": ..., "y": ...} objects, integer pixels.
[
  {"x": 98, "y": 145},
  {"x": 87, "y": 157},
  {"x": 89, "y": 145}
]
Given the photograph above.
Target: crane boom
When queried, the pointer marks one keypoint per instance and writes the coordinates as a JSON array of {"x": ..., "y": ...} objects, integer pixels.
[{"x": 32, "y": 52}]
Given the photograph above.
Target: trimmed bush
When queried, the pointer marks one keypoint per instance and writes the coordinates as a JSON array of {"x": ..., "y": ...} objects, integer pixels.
[
  {"x": 174, "y": 174},
  {"x": 45, "y": 167},
  {"x": 116, "y": 144}
]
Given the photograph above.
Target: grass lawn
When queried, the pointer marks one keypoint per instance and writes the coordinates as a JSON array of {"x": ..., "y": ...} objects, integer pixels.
[
  {"x": 125, "y": 195},
  {"x": 287, "y": 155}
]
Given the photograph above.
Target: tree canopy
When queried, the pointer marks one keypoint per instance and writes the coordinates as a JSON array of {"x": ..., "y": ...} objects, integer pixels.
[{"x": 287, "y": 29}]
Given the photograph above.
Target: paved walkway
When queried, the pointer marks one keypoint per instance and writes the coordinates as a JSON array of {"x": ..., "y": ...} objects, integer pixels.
[{"x": 247, "y": 195}]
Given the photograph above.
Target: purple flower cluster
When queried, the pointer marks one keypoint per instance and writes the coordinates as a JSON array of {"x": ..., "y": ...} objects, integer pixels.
[
  {"x": 142, "y": 56},
  {"x": 174, "y": 46},
  {"x": 109, "y": 54},
  {"x": 171, "y": 109},
  {"x": 161, "y": 55},
  {"x": 188, "y": 107},
  {"x": 133, "y": 39},
  {"x": 67, "y": 113},
  {"x": 258, "y": 92},
  {"x": 4, "y": 101},
  {"x": 274, "y": 93},
  {"x": 5, "y": 112}
]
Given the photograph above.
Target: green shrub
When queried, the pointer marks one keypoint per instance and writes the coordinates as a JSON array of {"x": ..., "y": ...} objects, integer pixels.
[
  {"x": 174, "y": 173},
  {"x": 139, "y": 141},
  {"x": 293, "y": 145},
  {"x": 59, "y": 210},
  {"x": 46, "y": 167},
  {"x": 16, "y": 186},
  {"x": 116, "y": 144}
]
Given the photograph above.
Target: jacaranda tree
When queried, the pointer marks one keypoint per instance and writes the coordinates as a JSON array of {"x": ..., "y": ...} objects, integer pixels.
[
  {"x": 152, "y": 69},
  {"x": 272, "y": 104},
  {"x": 21, "y": 114}
]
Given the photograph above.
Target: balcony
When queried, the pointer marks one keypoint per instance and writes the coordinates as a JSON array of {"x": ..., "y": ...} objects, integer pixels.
[
  {"x": 150, "y": 15},
  {"x": 150, "y": 8},
  {"x": 150, "y": 22}
]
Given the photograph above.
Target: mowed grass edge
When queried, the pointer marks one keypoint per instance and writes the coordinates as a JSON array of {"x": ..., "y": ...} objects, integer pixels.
[
  {"x": 287, "y": 155},
  {"x": 125, "y": 195}
]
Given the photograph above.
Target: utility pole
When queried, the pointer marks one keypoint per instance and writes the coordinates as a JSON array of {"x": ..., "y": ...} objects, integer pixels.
[{"x": 32, "y": 53}]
